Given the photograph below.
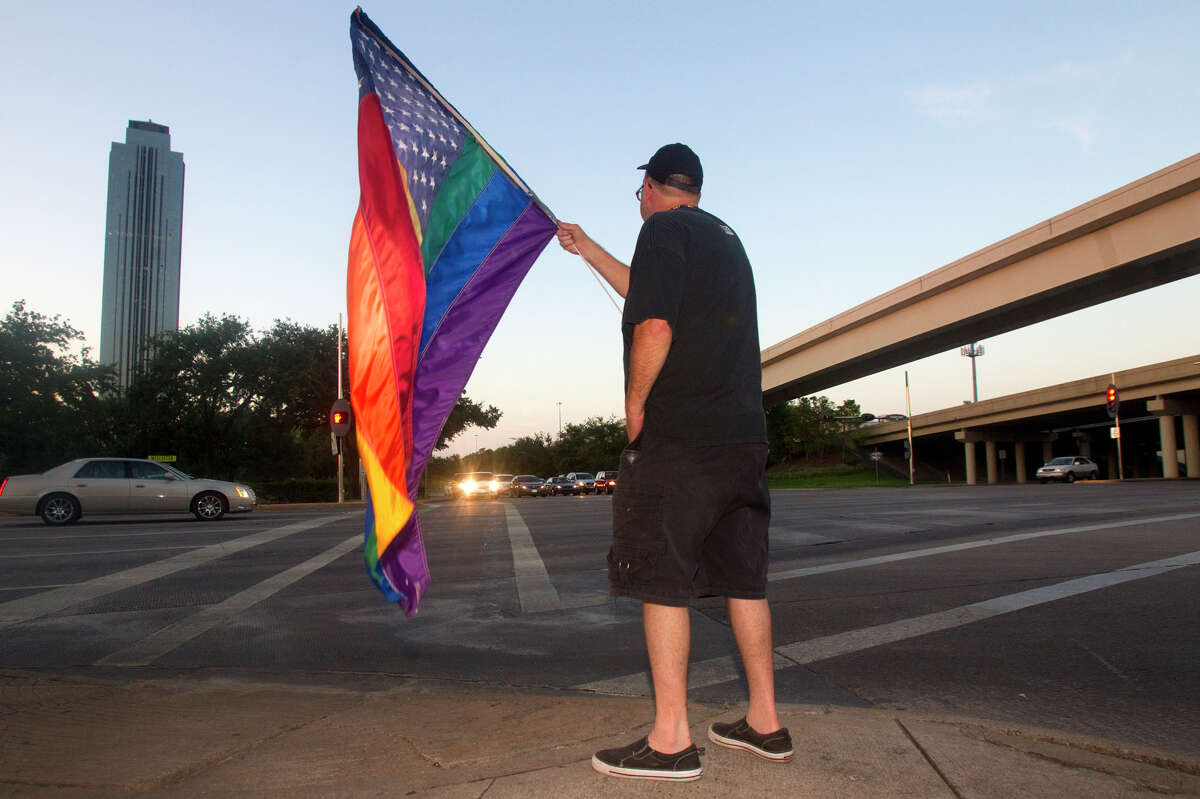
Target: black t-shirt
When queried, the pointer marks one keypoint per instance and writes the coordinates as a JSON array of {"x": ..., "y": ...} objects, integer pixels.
[{"x": 690, "y": 269}]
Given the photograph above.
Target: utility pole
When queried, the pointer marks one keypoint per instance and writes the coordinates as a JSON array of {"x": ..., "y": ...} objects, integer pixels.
[
  {"x": 912, "y": 475},
  {"x": 341, "y": 487},
  {"x": 559, "y": 419}
]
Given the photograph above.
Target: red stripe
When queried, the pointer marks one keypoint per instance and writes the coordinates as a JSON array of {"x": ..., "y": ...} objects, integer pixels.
[{"x": 386, "y": 303}]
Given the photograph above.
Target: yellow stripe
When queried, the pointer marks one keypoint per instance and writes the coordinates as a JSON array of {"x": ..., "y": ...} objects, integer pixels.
[
  {"x": 392, "y": 508},
  {"x": 412, "y": 208}
]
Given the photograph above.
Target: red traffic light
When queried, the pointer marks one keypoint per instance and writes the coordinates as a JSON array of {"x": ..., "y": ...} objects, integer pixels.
[
  {"x": 339, "y": 417},
  {"x": 1112, "y": 401}
]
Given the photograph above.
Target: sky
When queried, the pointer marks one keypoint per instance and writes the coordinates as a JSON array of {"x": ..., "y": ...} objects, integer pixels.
[{"x": 854, "y": 147}]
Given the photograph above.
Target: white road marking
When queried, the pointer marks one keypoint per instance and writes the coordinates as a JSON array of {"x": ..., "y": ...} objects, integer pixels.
[
  {"x": 25, "y": 608},
  {"x": 72, "y": 553},
  {"x": 808, "y": 571},
  {"x": 724, "y": 669},
  {"x": 831, "y": 646},
  {"x": 534, "y": 589},
  {"x": 173, "y": 636}
]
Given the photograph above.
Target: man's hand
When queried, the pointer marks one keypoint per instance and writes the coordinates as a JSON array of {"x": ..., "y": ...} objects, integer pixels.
[{"x": 572, "y": 238}]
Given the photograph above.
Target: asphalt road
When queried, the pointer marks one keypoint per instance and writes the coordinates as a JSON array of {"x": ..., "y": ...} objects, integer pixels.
[{"x": 1068, "y": 607}]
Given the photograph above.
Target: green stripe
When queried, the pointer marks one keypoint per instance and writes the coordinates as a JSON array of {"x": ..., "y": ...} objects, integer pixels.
[{"x": 462, "y": 184}]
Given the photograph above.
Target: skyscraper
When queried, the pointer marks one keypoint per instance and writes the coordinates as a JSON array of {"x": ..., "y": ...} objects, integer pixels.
[{"x": 142, "y": 246}]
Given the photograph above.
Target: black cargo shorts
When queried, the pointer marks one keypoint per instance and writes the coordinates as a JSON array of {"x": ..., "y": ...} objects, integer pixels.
[{"x": 690, "y": 521}]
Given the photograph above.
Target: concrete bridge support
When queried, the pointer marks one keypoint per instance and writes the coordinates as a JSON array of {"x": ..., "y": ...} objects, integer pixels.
[
  {"x": 1166, "y": 408},
  {"x": 1191, "y": 444},
  {"x": 992, "y": 439}
]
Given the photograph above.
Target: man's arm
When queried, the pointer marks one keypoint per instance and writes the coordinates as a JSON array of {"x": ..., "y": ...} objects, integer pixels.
[
  {"x": 648, "y": 353},
  {"x": 573, "y": 239}
]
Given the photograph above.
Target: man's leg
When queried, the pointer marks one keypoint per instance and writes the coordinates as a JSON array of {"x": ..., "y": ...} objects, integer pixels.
[
  {"x": 751, "y": 621},
  {"x": 668, "y": 641}
]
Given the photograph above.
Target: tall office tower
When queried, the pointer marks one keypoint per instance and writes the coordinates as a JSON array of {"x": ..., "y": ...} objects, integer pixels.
[{"x": 142, "y": 245}]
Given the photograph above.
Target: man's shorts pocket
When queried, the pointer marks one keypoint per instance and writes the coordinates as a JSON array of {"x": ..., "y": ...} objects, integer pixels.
[{"x": 638, "y": 540}]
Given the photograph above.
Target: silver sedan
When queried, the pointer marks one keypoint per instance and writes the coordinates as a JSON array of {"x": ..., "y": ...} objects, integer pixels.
[
  {"x": 1069, "y": 469},
  {"x": 120, "y": 485}
]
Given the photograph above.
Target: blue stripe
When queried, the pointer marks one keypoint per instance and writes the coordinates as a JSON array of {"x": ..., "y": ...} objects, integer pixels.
[{"x": 492, "y": 214}]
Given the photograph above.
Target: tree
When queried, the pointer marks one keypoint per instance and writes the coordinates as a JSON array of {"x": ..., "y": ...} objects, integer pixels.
[
  {"x": 796, "y": 429},
  {"x": 467, "y": 414},
  {"x": 53, "y": 399}
]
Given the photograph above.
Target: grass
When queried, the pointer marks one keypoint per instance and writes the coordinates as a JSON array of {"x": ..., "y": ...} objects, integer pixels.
[{"x": 831, "y": 477}]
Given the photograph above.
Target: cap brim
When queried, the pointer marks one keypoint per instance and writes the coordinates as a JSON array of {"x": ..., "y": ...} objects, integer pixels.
[{"x": 644, "y": 166}]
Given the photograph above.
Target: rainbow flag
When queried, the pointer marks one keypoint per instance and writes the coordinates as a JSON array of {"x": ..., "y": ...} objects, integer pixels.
[{"x": 445, "y": 232}]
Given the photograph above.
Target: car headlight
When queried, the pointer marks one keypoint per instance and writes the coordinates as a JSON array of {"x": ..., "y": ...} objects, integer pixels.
[
  {"x": 244, "y": 493},
  {"x": 468, "y": 486},
  {"x": 494, "y": 485}
]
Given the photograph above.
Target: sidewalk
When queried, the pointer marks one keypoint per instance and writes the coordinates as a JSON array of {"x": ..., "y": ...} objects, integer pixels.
[{"x": 64, "y": 736}]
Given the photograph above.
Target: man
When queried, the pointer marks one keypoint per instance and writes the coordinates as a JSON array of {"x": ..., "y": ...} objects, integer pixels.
[{"x": 690, "y": 511}]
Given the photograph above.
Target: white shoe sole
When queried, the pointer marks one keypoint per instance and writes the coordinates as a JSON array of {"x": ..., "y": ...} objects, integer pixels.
[
  {"x": 745, "y": 746},
  {"x": 640, "y": 774}
]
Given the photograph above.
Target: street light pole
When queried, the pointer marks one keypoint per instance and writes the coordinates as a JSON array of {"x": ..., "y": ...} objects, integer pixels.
[
  {"x": 559, "y": 419},
  {"x": 973, "y": 351}
]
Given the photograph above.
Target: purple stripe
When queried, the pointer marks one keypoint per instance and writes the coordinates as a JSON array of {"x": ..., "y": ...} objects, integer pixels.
[{"x": 448, "y": 361}]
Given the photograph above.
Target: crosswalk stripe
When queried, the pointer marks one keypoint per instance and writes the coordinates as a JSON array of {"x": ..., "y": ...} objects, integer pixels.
[
  {"x": 173, "y": 636},
  {"x": 33, "y": 606},
  {"x": 534, "y": 589}
]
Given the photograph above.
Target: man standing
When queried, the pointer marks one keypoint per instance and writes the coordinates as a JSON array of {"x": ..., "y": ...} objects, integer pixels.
[{"x": 691, "y": 507}]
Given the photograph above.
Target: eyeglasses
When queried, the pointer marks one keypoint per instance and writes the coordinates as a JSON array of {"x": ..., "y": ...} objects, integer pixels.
[{"x": 638, "y": 193}]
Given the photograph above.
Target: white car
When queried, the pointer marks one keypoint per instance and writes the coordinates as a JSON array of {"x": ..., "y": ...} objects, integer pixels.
[
  {"x": 120, "y": 485},
  {"x": 1069, "y": 469}
]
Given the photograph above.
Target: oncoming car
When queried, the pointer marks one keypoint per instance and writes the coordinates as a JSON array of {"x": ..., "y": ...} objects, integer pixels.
[
  {"x": 474, "y": 484},
  {"x": 120, "y": 485},
  {"x": 1069, "y": 469}
]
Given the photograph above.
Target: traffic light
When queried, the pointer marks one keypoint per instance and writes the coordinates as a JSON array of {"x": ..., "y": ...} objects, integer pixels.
[
  {"x": 339, "y": 417},
  {"x": 1113, "y": 400}
]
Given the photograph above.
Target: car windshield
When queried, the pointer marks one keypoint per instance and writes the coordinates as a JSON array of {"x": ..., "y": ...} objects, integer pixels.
[
  {"x": 1060, "y": 462},
  {"x": 176, "y": 472},
  {"x": 528, "y": 478},
  {"x": 583, "y": 476}
]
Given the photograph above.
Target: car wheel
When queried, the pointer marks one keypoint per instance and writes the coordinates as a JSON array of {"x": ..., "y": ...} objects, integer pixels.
[
  {"x": 1070, "y": 477},
  {"x": 209, "y": 506},
  {"x": 59, "y": 509}
]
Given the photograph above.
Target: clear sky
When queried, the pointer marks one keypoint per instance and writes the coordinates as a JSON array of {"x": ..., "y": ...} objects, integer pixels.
[{"x": 854, "y": 147}]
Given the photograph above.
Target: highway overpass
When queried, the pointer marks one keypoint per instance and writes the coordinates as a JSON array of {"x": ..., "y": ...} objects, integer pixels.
[
  {"x": 1142, "y": 235},
  {"x": 1072, "y": 414}
]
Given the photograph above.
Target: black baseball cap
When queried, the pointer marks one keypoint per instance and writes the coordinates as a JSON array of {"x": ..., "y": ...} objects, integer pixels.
[{"x": 675, "y": 159}]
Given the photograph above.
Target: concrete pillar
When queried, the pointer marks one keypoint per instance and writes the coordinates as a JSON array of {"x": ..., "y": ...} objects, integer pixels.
[
  {"x": 993, "y": 475},
  {"x": 1191, "y": 443},
  {"x": 1019, "y": 455},
  {"x": 1047, "y": 451},
  {"x": 969, "y": 453},
  {"x": 1166, "y": 437}
]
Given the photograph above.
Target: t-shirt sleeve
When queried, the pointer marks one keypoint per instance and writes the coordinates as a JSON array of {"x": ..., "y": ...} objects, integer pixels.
[{"x": 657, "y": 276}]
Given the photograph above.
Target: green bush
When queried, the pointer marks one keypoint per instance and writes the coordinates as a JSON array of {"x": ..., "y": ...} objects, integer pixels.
[{"x": 303, "y": 490}]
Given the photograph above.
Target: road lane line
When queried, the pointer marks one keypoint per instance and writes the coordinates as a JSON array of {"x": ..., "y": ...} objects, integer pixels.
[
  {"x": 173, "y": 636},
  {"x": 791, "y": 574},
  {"x": 830, "y": 646},
  {"x": 534, "y": 589},
  {"x": 724, "y": 669},
  {"x": 48, "y": 554},
  {"x": 25, "y": 608}
]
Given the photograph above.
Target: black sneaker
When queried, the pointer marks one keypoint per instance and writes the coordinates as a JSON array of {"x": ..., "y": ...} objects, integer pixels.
[
  {"x": 638, "y": 761},
  {"x": 740, "y": 735}
]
